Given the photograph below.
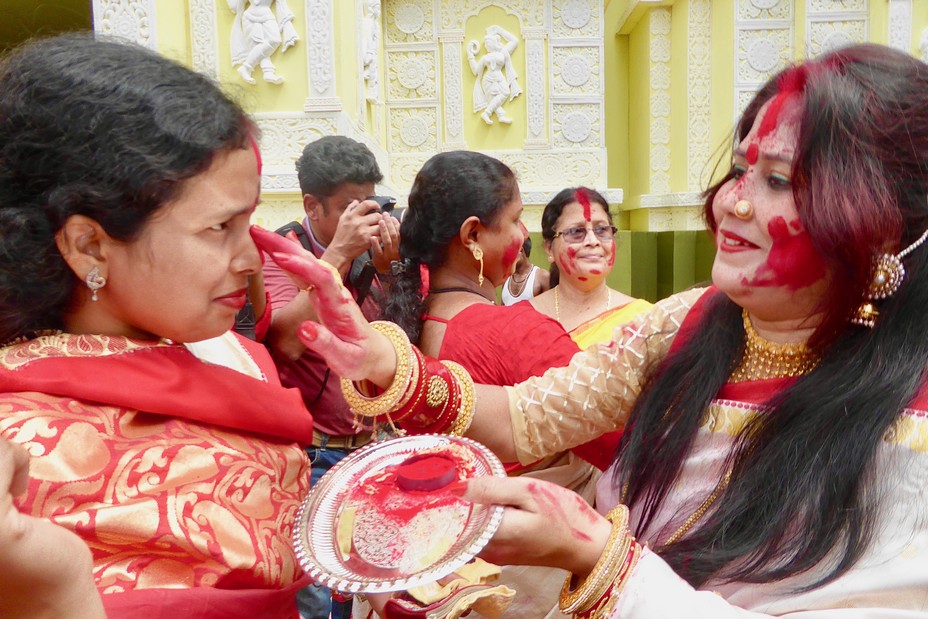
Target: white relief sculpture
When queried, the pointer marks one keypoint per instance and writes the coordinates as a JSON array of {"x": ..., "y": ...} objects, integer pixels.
[
  {"x": 257, "y": 33},
  {"x": 923, "y": 45},
  {"x": 497, "y": 81},
  {"x": 370, "y": 49}
]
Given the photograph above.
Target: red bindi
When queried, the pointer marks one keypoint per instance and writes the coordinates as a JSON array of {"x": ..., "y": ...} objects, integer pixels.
[{"x": 752, "y": 152}]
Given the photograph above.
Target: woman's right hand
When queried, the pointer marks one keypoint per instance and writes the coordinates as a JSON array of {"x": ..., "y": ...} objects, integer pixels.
[
  {"x": 342, "y": 336},
  {"x": 46, "y": 569},
  {"x": 543, "y": 524}
]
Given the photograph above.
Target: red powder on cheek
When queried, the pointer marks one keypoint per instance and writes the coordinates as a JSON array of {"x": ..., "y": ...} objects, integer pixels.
[
  {"x": 582, "y": 279},
  {"x": 752, "y": 153},
  {"x": 612, "y": 256},
  {"x": 792, "y": 262},
  {"x": 511, "y": 255},
  {"x": 595, "y": 272},
  {"x": 570, "y": 264}
]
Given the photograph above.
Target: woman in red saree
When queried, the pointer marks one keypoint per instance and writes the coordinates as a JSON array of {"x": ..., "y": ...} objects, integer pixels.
[
  {"x": 159, "y": 438},
  {"x": 776, "y": 452}
]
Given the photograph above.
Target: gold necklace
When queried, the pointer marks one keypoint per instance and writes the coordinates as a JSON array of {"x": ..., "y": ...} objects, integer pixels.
[
  {"x": 764, "y": 359},
  {"x": 557, "y": 306}
]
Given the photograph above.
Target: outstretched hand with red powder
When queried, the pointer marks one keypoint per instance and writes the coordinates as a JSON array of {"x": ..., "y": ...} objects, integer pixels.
[
  {"x": 342, "y": 336},
  {"x": 543, "y": 524}
]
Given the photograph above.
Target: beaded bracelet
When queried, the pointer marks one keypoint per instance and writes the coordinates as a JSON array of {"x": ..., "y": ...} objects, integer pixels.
[
  {"x": 386, "y": 401},
  {"x": 606, "y": 570}
]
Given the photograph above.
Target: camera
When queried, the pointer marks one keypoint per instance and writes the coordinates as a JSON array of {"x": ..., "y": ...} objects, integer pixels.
[{"x": 386, "y": 203}]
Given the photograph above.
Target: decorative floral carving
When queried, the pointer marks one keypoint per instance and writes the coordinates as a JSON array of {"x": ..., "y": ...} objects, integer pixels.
[
  {"x": 759, "y": 53},
  {"x": 659, "y": 26},
  {"x": 833, "y": 6},
  {"x": 576, "y": 13},
  {"x": 535, "y": 87},
  {"x": 698, "y": 104},
  {"x": 413, "y": 129},
  {"x": 370, "y": 49},
  {"x": 825, "y": 36},
  {"x": 132, "y": 20},
  {"x": 900, "y": 25},
  {"x": 764, "y": 9},
  {"x": 454, "y": 13},
  {"x": 409, "y": 21},
  {"x": 453, "y": 87},
  {"x": 273, "y": 212},
  {"x": 763, "y": 55},
  {"x": 203, "y": 39},
  {"x": 576, "y": 70},
  {"x": 412, "y": 75},
  {"x": 321, "y": 63},
  {"x": 577, "y": 124}
]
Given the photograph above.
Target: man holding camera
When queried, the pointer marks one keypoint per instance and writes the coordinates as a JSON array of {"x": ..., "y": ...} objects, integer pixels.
[{"x": 346, "y": 226}]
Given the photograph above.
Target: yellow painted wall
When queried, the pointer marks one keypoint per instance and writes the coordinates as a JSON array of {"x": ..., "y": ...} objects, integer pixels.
[
  {"x": 172, "y": 30},
  {"x": 346, "y": 20},
  {"x": 479, "y": 135},
  {"x": 615, "y": 68},
  {"x": 639, "y": 114},
  {"x": 721, "y": 129}
]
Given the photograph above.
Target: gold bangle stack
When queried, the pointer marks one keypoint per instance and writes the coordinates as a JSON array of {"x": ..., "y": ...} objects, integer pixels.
[
  {"x": 385, "y": 402},
  {"x": 605, "y": 573},
  {"x": 468, "y": 399}
]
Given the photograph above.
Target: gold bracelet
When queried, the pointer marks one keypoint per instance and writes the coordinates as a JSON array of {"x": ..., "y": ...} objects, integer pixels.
[
  {"x": 386, "y": 401},
  {"x": 465, "y": 415},
  {"x": 605, "y": 570}
]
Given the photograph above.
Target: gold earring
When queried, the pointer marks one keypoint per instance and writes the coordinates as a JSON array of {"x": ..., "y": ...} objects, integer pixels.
[
  {"x": 94, "y": 281},
  {"x": 887, "y": 276},
  {"x": 744, "y": 209},
  {"x": 478, "y": 256}
]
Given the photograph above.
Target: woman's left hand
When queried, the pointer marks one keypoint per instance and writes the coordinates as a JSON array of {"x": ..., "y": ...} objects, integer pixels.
[
  {"x": 543, "y": 524},
  {"x": 342, "y": 336}
]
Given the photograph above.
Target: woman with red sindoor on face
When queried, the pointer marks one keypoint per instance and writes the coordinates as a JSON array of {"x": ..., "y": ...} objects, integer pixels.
[{"x": 775, "y": 456}]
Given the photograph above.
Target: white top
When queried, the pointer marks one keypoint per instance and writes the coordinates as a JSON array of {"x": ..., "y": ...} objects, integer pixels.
[{"x": 527, "y": 292}]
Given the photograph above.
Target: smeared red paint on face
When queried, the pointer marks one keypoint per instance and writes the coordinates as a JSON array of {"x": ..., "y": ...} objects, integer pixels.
[
  {"x": 569, "y": 265},
  {"x": 792, "y": 261},
  {"x": 611, "y": 260},
  {"x": 752, "y": 153},
  {"x": 595, "y": 272},
  {"x": 550, "y": 506},
  {"x": 581, "y": 278},
  {"x": 584, "y": 199},
  {"x": 511, "y": 255}
]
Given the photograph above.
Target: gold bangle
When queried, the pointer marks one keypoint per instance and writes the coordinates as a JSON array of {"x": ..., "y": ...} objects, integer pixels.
[
  {"x": 465, "y": 415},
  {"x": 386, "y": 401},
  {"x": 605, "y": 570}
]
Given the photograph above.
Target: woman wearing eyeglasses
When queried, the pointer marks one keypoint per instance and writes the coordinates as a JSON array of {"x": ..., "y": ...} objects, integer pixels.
[{"x": 580, "y": 243}]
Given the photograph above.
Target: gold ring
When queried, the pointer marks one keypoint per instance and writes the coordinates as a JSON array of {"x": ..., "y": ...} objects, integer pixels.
[{"x": 744, "y": 209}]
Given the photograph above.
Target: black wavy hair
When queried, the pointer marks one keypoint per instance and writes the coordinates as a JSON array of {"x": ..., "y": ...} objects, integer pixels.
[
  {"x": 801, "y": 493},
  {"x": 98, "y": 128},
  {"x": 449, "y": 188},
  {"x": 332, "y": 160}
]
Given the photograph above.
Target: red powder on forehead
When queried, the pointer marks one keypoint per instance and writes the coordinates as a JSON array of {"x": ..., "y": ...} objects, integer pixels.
[
  {"x": 584, "y": 199},
  {"x": 769, "y": 122},
  {"x": 792, "y": 262},
  {"x": 790, "y": 83},
  {"x": 751, "y": 154},
  {"x": 511, "y": 255}
]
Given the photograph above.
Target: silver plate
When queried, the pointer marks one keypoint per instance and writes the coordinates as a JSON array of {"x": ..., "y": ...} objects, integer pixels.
[{"x": 315, "y": 533}]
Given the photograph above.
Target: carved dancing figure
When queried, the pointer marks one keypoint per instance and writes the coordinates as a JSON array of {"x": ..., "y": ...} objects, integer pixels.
[
  {"x": 499, "y": 81},
  {"x": 370, "y": 49},
  {"x": 257, "y": 33}
]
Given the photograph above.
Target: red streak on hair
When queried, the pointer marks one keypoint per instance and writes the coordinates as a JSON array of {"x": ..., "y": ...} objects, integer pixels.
[
  {"x": 257, "y": 150},
  {"x": 550, "y": 506},
  {"x": 752, "y": 152},
  {"x": 792, "y": 262},
  {"x": 790, "y": 83},
  {"x": 584, "y": 199},
  {"x": 511, "y": 255}
]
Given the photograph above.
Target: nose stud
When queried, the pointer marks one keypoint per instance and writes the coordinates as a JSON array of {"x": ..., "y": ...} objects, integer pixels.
[{"x": 744, "y": 209}]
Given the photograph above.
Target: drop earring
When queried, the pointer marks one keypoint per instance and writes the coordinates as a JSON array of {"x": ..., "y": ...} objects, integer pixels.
[
  {"x": 886, "y": 278},
  {"x": 95, "y": 282},
  {"x": 478, "y": 256}
]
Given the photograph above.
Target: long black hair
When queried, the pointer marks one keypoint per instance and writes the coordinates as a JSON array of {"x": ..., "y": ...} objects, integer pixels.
[
  {"x": 449, "y": 188},
  {"x": 800, "y": 490},
  {"x": 102, "y": 129}
]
